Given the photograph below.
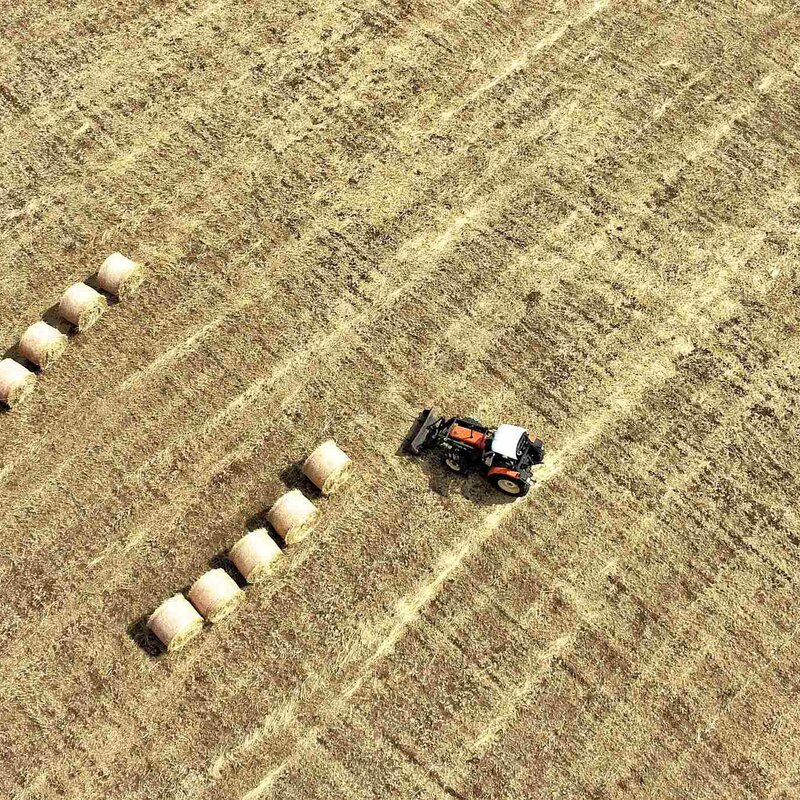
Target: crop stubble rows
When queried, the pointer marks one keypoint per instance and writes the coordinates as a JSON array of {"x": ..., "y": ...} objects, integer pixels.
[{"x": 565, "y": 256}]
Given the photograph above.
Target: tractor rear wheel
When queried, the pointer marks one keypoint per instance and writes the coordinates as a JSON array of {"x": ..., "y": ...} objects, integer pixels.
[{"x": 515, "y": 487}]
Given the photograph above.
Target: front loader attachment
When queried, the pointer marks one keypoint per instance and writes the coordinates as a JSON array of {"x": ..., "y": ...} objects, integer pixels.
[{"x": 424, "y": 429}]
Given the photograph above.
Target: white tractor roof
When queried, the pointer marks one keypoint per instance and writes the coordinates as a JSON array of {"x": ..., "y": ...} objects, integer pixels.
[{"x": 506, "y": 439}]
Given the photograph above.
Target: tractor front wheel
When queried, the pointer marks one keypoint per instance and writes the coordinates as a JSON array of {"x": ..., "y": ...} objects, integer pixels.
[
  {"x": 455, "y": 463},
  {"x": 515, "y": 487}
]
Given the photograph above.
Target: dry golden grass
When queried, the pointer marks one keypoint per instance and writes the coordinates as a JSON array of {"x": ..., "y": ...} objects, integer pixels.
[{"x": 581, "y": 217}]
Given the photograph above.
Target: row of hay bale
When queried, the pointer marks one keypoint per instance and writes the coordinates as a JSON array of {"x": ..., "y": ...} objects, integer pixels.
[
  {"x": 81, "y": 306},
  {"x": 215, "y": 594}
]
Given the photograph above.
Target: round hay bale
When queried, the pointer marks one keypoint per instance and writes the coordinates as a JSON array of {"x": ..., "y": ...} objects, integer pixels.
[
  {"x": 82, "y": 306},
  {"x": 292, "y": 516},
  {"x": 254, "y": 554},
  {"x": 175, "y": 622},
  {"x": 215, "y": 594},
  {"x": 120, "y": 276},
  {"x": 328, "y": 467},
  {"x": 16, "y": 382},
  {"x": 42, "y": 344}
]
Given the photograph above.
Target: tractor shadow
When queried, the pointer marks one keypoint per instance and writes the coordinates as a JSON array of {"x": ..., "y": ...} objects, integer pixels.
[{"x": 472, "y": 487}]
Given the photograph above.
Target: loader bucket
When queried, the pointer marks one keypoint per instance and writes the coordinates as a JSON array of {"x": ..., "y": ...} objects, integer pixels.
[{"x": 418, "y": 434}]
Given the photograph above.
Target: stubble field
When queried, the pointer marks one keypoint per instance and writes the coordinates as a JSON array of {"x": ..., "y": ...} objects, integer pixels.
[{"x": 580, "y": 217}]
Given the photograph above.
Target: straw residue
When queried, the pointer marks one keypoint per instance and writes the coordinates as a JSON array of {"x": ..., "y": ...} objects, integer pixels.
[
  {"x": 120, "y": 276},
  {"x": 215, "y": 594},
  {"x": 82, "y": 306},
  {"x": 292, "y": 516},
  {"x": 328, "y": 467},
  {"x": 175, "y": 622},
  {"x": 16, "y": 382},
  {"x": 42, "y": 344},
  {"x": 254, "y": 554}
]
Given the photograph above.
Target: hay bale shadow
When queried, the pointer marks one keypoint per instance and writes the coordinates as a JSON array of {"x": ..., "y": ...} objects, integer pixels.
[
  {"x": 294, "y": 478},
  {"x": 13, "y": 352},
  {"x": 276, "y": 538},
  {"x": 145, "y": 639},
  {"x": 51, "y": 317},
  {"x": 221, "y": 561},
  {"x": 256, "y": 521},
  {"x": 259, "y": 520},
  {"x": 92, "y": 283}
]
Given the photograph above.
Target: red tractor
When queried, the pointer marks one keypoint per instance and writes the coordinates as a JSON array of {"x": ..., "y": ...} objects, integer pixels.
[{"x": 505, "y": 454}]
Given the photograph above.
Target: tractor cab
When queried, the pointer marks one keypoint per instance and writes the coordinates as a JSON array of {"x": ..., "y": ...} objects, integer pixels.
[
  {"x": 511, "y": 446},
  {"x": 508, "y": 441}
]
